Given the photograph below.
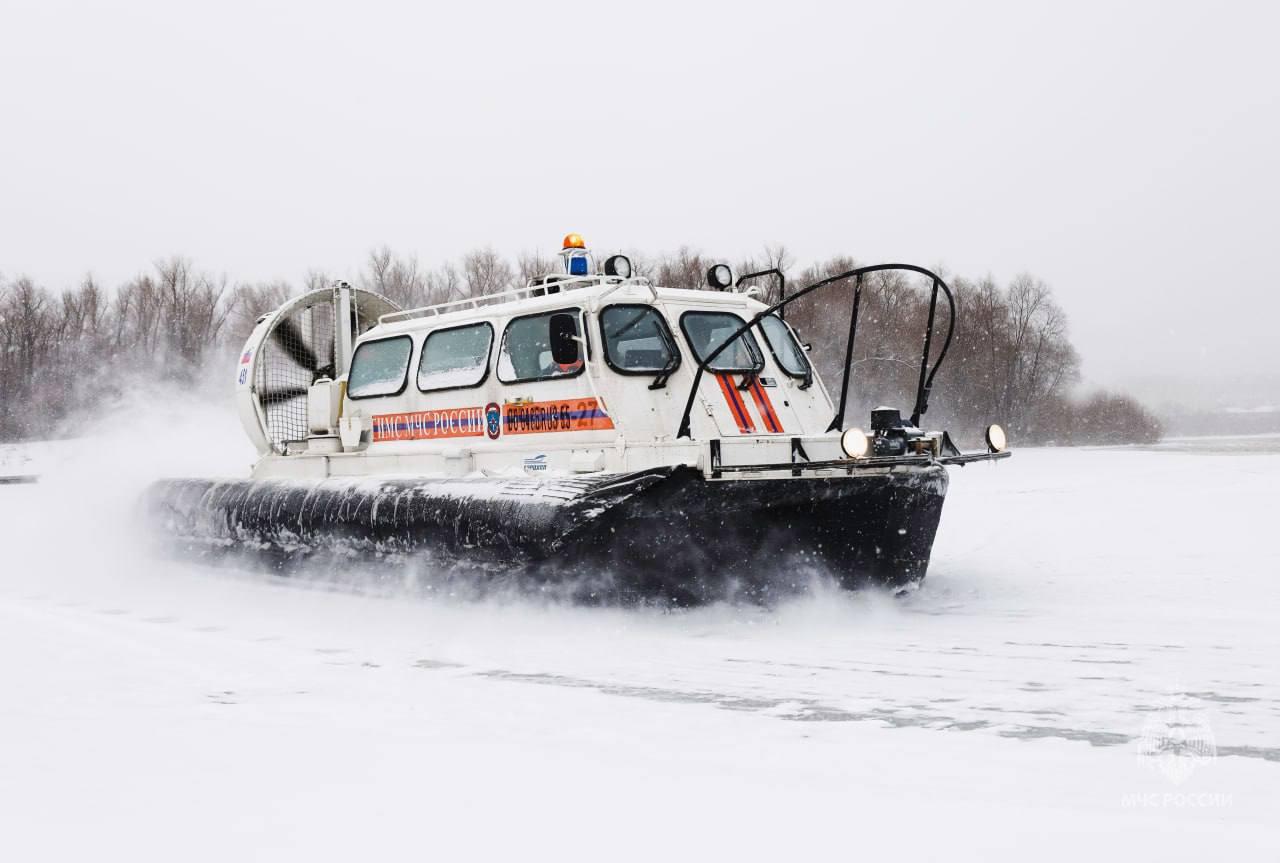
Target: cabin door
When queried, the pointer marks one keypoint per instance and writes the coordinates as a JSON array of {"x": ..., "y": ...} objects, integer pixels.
[{"x": 749, "y": 405}]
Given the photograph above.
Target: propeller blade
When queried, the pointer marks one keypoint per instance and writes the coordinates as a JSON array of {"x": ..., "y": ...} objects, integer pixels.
[
  {"x": 282, "y": 394},
  {"x": 287, "y": 335}
]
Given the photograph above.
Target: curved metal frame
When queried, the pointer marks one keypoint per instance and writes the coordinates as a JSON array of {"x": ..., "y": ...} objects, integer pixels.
[
  {"x": 262, "y": 333},
  {"x": 772, "y": 271},
  {"x": 923, "y": 388}
]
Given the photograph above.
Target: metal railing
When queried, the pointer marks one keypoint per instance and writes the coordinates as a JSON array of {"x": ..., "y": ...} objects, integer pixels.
[
  {"x": 925, "y": 383},
  {"x": 535, "y": 287}
]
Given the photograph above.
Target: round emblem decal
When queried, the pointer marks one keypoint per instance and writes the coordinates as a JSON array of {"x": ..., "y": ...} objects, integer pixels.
[{"x": 493, "y": 420}]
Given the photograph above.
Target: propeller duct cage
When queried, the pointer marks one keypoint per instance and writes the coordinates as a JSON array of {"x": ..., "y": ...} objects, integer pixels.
[{"x": 298, "y": 346}]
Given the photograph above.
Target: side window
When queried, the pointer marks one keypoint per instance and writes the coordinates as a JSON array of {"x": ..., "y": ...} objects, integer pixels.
[
  {"x": 456, "y": 357},
  {"x": 707, "y": 331},
  {"x": 380, "y": 368},
  {"x": 786, "y": 350},
  {"x": 637, "y": 340},
  {"x": 526, "y": 353}
]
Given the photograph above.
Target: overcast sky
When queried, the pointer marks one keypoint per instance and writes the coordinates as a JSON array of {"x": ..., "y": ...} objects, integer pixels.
[{"x": 1126, "y": 153}]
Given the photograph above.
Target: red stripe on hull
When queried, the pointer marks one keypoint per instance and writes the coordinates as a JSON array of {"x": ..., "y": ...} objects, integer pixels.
[
  {"x": 765, "y": 406},
  {"x": 736, "y": 406}
]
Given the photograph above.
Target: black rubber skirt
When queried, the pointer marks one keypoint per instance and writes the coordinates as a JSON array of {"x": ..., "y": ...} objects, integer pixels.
[{"x": 667, "y": 534}]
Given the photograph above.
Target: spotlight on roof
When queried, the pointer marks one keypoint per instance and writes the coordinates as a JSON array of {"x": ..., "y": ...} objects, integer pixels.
[
  {"x": 618, "y": 265},
  {"x": 720, "y": 277}
]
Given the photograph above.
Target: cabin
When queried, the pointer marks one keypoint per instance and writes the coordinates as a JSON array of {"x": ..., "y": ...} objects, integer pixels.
[{"x": 569, "y": 374}]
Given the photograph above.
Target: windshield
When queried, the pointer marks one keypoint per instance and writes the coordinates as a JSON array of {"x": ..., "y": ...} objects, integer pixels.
[
  {"x": 637, "y": 340},
  {"x": 380, "y": 368},
  {"x": 786, "y": 350},
  {"x": 706, "y": 331}
]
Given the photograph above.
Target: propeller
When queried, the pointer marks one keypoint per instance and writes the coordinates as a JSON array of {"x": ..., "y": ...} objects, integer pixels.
[
  {"x": 287, "y": 335},
  {"x": 282, "y": 394},
  {"x": 302, "y": 344}
]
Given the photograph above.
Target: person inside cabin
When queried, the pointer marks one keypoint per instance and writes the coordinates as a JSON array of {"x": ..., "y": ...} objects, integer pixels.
[
  {"x": 526, "y": 350},
  {"x": 551, "y": 368}
]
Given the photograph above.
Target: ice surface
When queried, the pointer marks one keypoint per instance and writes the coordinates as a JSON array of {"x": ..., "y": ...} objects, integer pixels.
[{"x": 164, "y": 711}]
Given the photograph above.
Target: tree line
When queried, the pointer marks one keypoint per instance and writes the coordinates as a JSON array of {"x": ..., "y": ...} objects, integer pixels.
[{"x": 63, "y": 354}]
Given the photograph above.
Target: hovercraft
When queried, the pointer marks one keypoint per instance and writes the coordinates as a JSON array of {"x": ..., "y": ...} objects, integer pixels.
[{"x": 589, "y": 429}]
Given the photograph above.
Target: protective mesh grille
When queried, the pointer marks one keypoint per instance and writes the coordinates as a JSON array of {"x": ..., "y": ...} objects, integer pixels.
[{"x": 299, "y": 350}]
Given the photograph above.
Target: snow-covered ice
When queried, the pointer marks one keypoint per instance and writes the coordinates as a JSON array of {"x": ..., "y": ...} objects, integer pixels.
[{"x": 1083, "y": 607}]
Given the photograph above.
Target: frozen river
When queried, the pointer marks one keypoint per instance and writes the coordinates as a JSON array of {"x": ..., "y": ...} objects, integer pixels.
[{"x": 1090, "y": 668}]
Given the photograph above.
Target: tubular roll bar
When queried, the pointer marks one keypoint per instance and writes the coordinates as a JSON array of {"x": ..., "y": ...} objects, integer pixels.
[
  {"x": 772, "y": 271},
  {"x": 923, "y": 388}
]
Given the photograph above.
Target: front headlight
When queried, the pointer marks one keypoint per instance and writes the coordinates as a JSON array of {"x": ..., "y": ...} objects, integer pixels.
[
  {"x": 854, "y": 443},
  {"x": 997, "y": 440}
]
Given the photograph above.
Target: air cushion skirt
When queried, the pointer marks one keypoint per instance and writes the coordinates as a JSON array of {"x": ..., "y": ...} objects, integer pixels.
[{"x": 667, "y": 534}]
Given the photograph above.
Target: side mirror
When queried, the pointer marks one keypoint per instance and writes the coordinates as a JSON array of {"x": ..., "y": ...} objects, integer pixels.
[{"x": 564, "y": 339}]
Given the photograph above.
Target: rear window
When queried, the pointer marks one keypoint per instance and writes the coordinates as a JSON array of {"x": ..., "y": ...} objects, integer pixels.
[
  {"x": 786, "y": 350},
  {"x": 525, "y": 354},
  {"x": 380, "y": 368},
  {"x": 707, "y": 331},
  {"x": 456, "y": 357},
  {"x": 637, "y": 340}
]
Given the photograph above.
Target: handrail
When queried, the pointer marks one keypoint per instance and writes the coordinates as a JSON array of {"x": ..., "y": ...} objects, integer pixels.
[
  {"x": 516, "y": 294},
  {"x": 598, "y": 300},
  {"x": 925, "y": 385},
  {"x": 772, "y": 271}
]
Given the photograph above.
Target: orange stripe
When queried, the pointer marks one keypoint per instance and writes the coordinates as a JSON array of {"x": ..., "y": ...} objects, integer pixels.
[
  {"x": 765, "y": 406},
  {"x": 736, "y": 406},
  {"x": 429, "y": 425},
  {"x": 569, "y": 415}
]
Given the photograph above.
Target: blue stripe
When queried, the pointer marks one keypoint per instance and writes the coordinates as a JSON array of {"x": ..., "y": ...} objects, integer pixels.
[
  {"x": 770, "y": 419},
  {"x": 739, "y": 407}
]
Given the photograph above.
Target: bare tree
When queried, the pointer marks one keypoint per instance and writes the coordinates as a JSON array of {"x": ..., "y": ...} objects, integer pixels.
[
  {"x": 531, "y": 265},
  {"x": 685, "y": 268},
  {"x": 249, "y": 302},
  {"x": 444, "y": 284},
  {"x": 397, "y": 278},
  {"x": 484, "y": 271}
]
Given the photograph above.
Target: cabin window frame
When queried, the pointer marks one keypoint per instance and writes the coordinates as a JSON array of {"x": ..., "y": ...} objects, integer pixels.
[
  {"x": 749, "y": 340},
  {"x": 582, "y": 332},
  {"x": 668, "y": 335},
  {"x": 488, "y": 358},
  {"x": 807, "y": 374},
  {"x": 404, "y": 380}
]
